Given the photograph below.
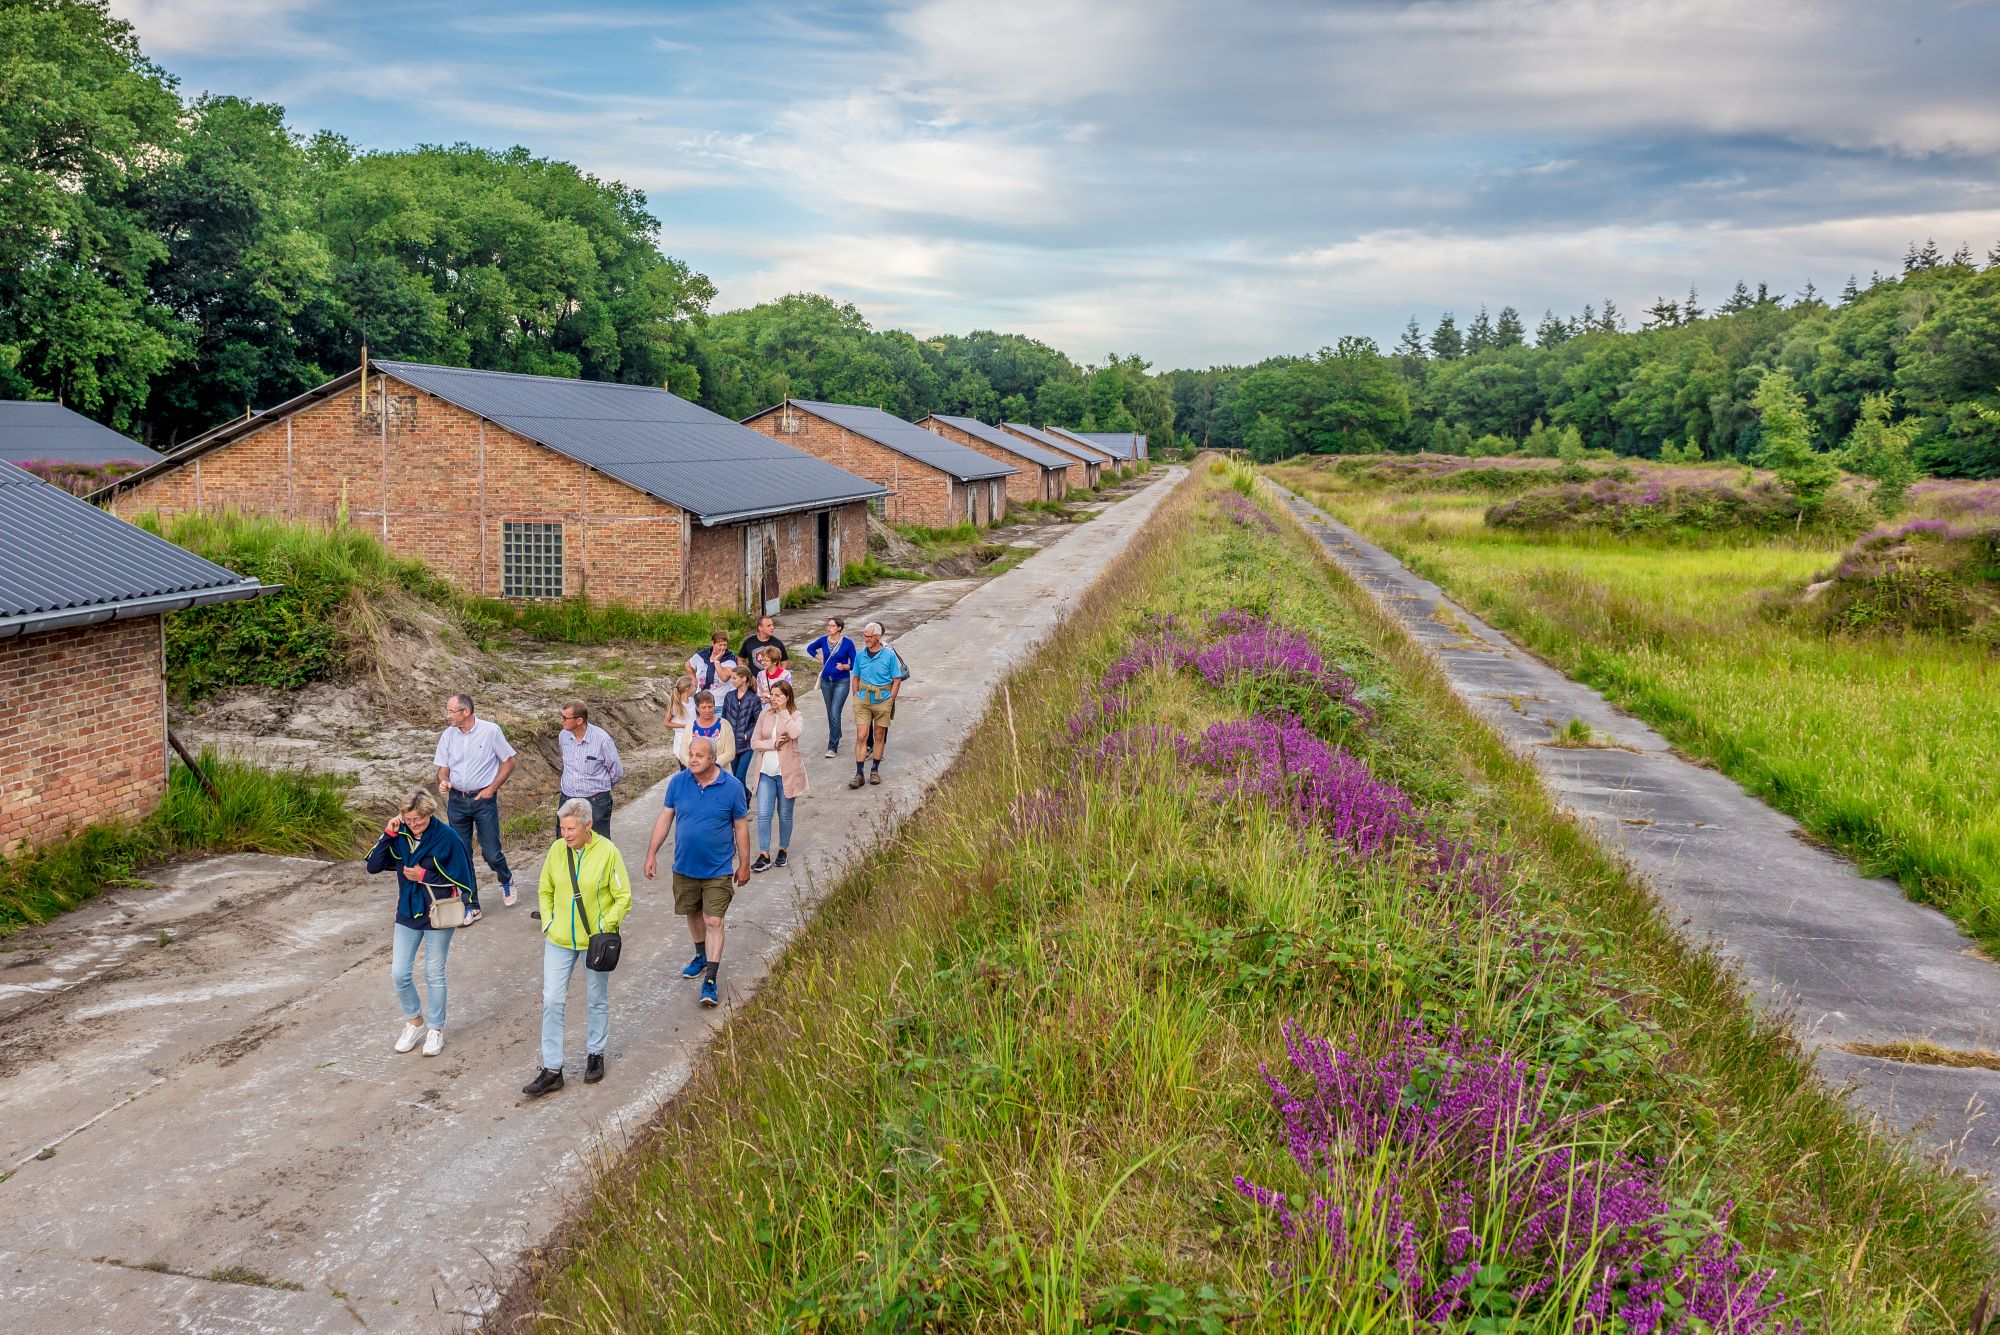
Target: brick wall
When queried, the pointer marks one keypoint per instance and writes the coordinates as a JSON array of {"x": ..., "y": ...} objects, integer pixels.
[
  {"x": 83, "y": 728},
  {"x": 717, "y": 573},
  {"x": 1082, "y": 473},
  {"x": 1030, "y": 482},
  {"x": 920, "y": 494}
]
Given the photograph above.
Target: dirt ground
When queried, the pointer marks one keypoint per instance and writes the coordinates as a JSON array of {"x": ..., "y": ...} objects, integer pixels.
[{"x": 382, "y": 726}]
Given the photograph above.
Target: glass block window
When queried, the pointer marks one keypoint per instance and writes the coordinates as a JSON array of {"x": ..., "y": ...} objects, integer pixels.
[
  {"x": 531, "y": 560},
  {"x": 879, "y": 505}
]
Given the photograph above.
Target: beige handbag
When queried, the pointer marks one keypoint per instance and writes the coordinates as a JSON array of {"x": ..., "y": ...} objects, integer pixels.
[{"x": 445, "y": 914}]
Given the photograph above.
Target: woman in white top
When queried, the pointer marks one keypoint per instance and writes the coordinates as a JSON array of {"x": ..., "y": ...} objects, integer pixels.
[
  {"x": 681, "y": 712},
  {"x": 781, "y": 772}
]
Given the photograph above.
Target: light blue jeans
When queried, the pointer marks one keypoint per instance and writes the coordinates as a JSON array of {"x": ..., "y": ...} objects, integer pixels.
[
  {"x": 835, "y": 695},
  {"x": 770, "y": 794},
  {"x": 558, "y": 962},
  {"x": 403, "y": 962}
]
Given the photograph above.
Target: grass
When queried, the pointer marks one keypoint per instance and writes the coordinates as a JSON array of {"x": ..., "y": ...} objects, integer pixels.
[
  {"x": 1886, "y": 747},
  {"x": 292, "y": 812},
  {"x": 1005, "y": 1078}
]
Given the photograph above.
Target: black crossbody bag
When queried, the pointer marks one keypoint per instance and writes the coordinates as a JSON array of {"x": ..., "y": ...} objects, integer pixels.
[{"x": 602, "y": 956}]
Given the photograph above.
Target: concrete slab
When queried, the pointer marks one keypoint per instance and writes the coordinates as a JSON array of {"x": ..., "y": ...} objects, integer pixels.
[
  {"x": 228, "y": 1103},
  {"x": 1844, "y": 957}
]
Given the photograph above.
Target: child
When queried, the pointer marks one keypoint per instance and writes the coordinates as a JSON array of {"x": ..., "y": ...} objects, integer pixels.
[{"x": 774, "y": 672}]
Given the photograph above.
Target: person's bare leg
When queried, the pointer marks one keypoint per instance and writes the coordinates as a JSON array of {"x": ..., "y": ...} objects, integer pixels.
[
  {"x": 881, "y": 743},
  {"x": 714, "y": 939},
  {"x": 697, "y": 928}
]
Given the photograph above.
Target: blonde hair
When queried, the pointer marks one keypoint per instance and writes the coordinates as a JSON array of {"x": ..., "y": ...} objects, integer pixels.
[
  {"x": 684, "y": 687},
  {"x": 421, "y": 803}
]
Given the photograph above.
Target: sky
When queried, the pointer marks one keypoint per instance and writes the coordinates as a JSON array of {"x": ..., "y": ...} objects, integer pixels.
[{"x": 1197, "y": 183}]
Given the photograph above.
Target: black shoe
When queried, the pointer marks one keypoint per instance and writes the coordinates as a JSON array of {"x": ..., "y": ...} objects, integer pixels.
[
  {"x": 593, "y": 1068},
  {"x": 545, "y": 1082},
  {"x": 763, "y": 862},
  {"x": 783, "y": 859}
]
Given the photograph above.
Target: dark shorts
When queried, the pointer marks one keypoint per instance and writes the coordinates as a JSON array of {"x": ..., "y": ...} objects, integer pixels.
[{"x": 706, "y": 895}]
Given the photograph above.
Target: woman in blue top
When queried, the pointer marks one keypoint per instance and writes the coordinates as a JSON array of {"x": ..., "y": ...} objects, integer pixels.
[
  {"x": 429, "y": 860},
  {"x": 835, "y": 654}
]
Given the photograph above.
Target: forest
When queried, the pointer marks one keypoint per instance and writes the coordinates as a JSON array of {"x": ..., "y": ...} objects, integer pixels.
[{"x": 168, "y": 263}]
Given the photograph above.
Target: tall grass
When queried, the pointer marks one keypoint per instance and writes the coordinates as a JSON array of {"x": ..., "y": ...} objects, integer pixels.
[
  {"x": 1007, "y": 1078},
  {"x": 287, "y": 811},
  {"x": 1888, "y": 747}
]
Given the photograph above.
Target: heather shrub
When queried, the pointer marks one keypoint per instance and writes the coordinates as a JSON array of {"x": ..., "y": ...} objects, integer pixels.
[
  {"x": 1927, "y": 576},
  {"x": 1657, "y": 506}
]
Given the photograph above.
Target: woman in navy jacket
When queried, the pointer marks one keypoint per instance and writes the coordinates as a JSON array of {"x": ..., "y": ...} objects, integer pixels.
[
  {"x": 429, "y": 859},
  {"x": 835, "y": 653}
]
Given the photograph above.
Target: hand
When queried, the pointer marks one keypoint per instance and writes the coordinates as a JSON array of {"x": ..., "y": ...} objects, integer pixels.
[
  {"x": 444, "y": 788},
  {"x": 742, "y": 874},
  {"x": 652, "y": 867},
  {"x": 485, "y": 793},
  {"x": 413, "y": 873},
  {"x": 394, "y": 827}
]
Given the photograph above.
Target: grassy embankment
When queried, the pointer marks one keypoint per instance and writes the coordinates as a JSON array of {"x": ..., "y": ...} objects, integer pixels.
[
  {"x": 1885, "y": 746},
  {"x": 293, "y": 812},
  {"x": 1007, "y": 1079}
]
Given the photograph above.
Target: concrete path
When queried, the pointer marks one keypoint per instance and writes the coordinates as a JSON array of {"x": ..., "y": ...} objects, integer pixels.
[
  {"x": 202, "y": 1123},
  {"x": 1847, "y": 958}
]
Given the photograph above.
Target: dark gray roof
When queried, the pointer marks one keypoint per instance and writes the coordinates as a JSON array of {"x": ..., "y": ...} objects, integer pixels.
[
  {"x": 993, "y": 435},
  {"x": 649, "y": 439},
  {"x": 1117, "y": 444},
  {"x": 66, "y": 562},
  {"x": 907, "y": 438},
  {"x": 1056, "y": 443},
  {"x": 36, "y": 431}
]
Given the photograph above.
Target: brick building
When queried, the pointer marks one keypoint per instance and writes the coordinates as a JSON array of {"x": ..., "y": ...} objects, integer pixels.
[
  {"x": 523, "y": 486},
  {"x": 1090, "y": 457},
  {"x": 83, "y": 710},
  {"x": 1127, "y": 447},
  {"x": 930, "y": 480},
  {"x": 1042, "y": 475}
]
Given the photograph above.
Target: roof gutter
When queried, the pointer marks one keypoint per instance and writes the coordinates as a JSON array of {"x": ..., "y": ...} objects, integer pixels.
[
  {"x": 126, "y": 609},
  {"x": 739, "y": 516}
]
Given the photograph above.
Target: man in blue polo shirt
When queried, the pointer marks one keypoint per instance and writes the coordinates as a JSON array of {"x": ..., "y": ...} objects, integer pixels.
[{"x": 711, "y": 854}]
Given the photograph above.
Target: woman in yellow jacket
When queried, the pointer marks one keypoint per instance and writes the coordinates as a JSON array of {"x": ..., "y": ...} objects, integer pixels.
[{"x": 584, "y": 889}]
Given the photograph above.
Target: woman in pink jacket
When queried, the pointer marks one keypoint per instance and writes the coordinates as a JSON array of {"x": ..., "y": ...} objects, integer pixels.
[{"x": 781, "y": 772}]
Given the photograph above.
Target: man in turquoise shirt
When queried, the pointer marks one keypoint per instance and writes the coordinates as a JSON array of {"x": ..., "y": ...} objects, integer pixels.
[{"x": 878, "y": 676}]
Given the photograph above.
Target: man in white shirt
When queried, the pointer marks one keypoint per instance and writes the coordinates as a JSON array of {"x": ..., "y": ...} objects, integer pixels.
[{"x": 473, "y": 759}]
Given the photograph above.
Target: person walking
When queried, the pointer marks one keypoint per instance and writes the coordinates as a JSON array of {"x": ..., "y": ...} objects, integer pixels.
[
  {"x": 680, "y": 712},
  {"x": 781, "y": 773},
  {"x": 766, "y": 637},
  {"x": 834, "y": 653},
  {"x": 878, "y": 676},
  {"x": 431, "y": 865},
  {"x": 740, "y": 707},
  {"x": 710, "y": 667},
  {"x": 584, "y": 869},
  {"x": 590, "y": 764},
  {"x": 473, "y": 760},
  {"x": 711, "y": 855},
  {"x": 707, "y": 723},
  {"x": 774, "y": 671}
]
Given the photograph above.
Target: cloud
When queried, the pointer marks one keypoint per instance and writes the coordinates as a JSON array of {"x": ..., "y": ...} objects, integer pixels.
[{"x": 203, "y": 27}]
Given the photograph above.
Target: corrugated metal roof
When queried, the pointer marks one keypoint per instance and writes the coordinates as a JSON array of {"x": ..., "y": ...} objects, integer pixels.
[
  {"x": 1117, "y": 444},
  {"x": 993, "y": 435},
  {"x": 647, "y": 438},
  {"x": 63, "y": 554},
  {"x": 1057, "y": 443},
  {"x": 907, "y": 438},
  {"x": 31, "y": 431}
]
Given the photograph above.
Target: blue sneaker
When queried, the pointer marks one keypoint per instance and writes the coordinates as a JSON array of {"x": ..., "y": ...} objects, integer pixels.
[
  {"x": 696, "y": 965},
  {"x": 708, "y": 996}
]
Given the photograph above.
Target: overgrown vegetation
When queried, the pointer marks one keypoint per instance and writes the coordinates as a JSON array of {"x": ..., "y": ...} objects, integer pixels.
[
  {"x": 1010, "y": 1077},
  {"x": 1886, "y": 744},
  {"x": 287, "y": 811}
]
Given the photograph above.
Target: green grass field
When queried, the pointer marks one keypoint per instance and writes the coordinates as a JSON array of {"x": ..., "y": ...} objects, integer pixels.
[
  {"x": 1006, "y": 1080},
  {"x": 1887, "y": 748}
]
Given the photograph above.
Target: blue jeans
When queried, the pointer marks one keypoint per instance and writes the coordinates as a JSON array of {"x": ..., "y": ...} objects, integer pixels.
[
  {"x": 558, "y": 962},
  {"x": 835, "y": 695},
  {"x": 468, "y": 815},
  {"x": 403, "y": 962},
  {"x": 770, "y": 794},
  {"x": 600, "y": 812},
  {"x": 740, "y": 767}
]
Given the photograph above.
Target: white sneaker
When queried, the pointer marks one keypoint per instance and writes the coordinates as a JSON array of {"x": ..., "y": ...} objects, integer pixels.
[
  {"x": 412, "y": 1031},
  {"x": 434, "y": 1043}
]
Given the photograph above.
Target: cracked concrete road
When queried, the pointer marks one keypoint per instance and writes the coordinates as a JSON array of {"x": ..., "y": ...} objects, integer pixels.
[
  {"x": 1846, "y": 958},
  {"x": 203, "y": 1127}
]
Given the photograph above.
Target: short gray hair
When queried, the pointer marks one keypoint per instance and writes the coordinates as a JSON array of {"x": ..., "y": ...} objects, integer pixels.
[
  {"x": 463, "y": 701},
  {"x": 575, "y": 809},
  {"x": 874, "y": 626}
]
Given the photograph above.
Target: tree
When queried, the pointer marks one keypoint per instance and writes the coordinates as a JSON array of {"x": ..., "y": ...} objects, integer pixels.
[
  {"x": 86, "y": 123},
  {"x": 1478, "y": 334},
  {"x": 1929, "y": 257},
  {"x": 1850, "y": 292},
  {"x": 1786, "y": 447},
  {"x": 1690, "y": 311},
  {"x": 1880, "y": 449},
  {"x": 1508, "y": 331},
  {"x": 1739, "y": 301},
  {"x": 1663, "y": 314},
  {"x": 1552, "y": 331},
  {"x": 1446, "y": 345},
  {"x": 1268, "y": 441}
]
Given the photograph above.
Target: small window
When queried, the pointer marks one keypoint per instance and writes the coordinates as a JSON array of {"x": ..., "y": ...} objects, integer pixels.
[
  {"x": 531, "y": 560},
  {"x": 879, "y": 506}
]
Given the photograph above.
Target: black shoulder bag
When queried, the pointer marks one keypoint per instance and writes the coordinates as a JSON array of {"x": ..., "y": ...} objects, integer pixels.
[{"x": 604, "y": 946}]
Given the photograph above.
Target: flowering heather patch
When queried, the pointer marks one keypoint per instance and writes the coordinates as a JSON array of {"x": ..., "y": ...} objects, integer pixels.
[
  {"x": 81, "y": 479},
  {"x": 1633, "y": 507},
  {"x": 1930, "y": 528},
  {"x": 1042, "y": 812},
  {"x": 1450, "y": 1165},
  {"x": 1240, "y": 509},
  {"x": 1254, "y": 647},
  {"x": 1316, "y": 784},
  {"x": 1094, "y": 715}
]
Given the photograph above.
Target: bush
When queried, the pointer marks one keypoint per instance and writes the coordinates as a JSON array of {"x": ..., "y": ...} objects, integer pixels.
[
  {"x": 1659, "y": 507},
  {"x": 1924, "y": 577},
  {"x": 577, "y": 621}
]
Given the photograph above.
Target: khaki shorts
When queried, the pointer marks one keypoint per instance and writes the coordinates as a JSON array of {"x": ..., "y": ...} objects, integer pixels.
[
  {"x": 706, "y": 895},
  {"x": 878, "y": 712}
]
